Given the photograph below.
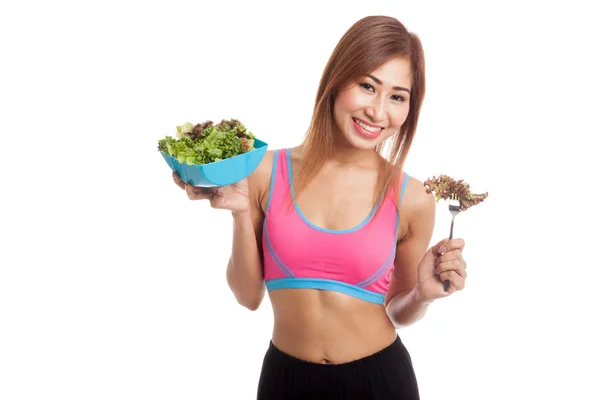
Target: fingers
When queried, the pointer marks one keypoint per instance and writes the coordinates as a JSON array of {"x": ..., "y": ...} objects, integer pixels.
[
  {"x": 447, "y": 245},
  {"x": 178, "y": 180},
  {"x": 200, "y": 193},
  {"x": 451, "y": 265},
  {"x": 458, "y": 244},
  {"x": 457, "y": 265},
  {"x": 439, "y": 248},
  {"x": 457, "y": 282},
  {"x": 452, "y": 255},
  {"x": 194, "y": 192}
]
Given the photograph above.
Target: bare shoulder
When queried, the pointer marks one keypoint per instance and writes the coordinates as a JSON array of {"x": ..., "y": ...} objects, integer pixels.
[
  {"x": 416, "y": 199},
  {"x": 260, "y": 180},
  {"x": 417, "y": 209},
  {"x": 263, "y": 171}
]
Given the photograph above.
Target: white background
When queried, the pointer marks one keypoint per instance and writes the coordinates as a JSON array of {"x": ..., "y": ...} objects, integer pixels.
[{"x": 112, "y": 283}]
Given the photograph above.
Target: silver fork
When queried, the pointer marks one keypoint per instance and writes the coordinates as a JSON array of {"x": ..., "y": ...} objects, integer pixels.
[{"x": 454, "y": 207}]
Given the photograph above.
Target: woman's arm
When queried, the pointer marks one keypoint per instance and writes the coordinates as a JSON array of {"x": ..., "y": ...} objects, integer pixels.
[
  {"x": 417, "y": 217},
  {"x": 244, "y": 270}
]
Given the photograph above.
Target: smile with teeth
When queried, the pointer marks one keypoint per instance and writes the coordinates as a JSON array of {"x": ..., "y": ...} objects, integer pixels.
[{"x": 366, "y": 127}]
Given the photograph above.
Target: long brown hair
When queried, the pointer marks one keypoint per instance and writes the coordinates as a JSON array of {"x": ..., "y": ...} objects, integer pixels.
[{"x": 366, "y": 45}]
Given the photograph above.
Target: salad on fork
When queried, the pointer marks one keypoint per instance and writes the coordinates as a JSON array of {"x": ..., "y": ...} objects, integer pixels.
[{"x": 459, "y": 196}]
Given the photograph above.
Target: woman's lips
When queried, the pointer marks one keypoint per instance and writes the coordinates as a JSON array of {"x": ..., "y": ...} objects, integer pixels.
[{"x": 366, "y": 132}]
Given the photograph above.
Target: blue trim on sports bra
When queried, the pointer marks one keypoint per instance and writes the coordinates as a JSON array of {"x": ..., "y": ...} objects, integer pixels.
[
  {"x": 380, "y": 271},
  {"x": 402, "y": 190},
  {"x": 404, "y": 184},
  {"x": 273, "y": 173},
  {"x": 325, "y": 284},
  {"x": 284, "y": 268},
  {"x": 301, "y": 214}
]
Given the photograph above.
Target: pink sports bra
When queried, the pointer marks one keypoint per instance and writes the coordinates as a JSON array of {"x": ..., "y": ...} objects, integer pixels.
[{"x": 298, "y": 254}]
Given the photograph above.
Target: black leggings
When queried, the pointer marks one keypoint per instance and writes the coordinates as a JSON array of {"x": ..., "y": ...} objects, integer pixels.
[{"x": 387, "y": 374}]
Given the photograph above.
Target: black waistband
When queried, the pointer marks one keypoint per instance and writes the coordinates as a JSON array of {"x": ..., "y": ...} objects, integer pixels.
[{"x": 388, "y": 353}]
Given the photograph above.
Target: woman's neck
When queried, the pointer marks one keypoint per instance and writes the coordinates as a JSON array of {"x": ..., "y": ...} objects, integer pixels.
[{"x": 346, "y": 154}]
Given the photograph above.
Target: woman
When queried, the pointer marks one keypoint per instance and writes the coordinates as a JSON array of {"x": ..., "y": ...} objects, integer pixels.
[{"x": 338, "y": 234}]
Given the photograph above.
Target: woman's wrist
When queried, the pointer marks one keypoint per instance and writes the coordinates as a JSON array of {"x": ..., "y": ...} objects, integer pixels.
[
  {"x": 241, "y": 214},
  {"x": 420, "y": 297}
]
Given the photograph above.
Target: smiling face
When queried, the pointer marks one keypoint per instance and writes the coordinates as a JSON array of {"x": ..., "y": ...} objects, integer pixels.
[{"x": 374, "y": 109}]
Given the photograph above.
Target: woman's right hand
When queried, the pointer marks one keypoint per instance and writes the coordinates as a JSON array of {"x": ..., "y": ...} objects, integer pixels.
[{"x": 233, "y": 197}]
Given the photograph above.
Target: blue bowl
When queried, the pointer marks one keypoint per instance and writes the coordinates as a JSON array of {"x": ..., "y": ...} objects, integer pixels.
[{"x": 219, "y": 173}]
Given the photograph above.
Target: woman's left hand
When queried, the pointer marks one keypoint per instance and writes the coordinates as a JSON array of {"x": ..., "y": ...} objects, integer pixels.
[{"x": 444, "y": 261}]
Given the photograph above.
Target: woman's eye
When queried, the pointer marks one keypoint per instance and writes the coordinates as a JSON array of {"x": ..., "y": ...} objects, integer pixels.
[
  {"x": 366, "y": 86},
  {"x": 370, "y": 87}
]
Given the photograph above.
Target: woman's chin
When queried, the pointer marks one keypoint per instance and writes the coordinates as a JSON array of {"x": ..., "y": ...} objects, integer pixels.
[{"x": 361, "y": 143}]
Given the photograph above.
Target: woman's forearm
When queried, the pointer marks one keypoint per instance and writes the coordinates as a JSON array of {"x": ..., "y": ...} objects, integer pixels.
[
  {"x": 407, "y": 308},
  {"x": 244, "y": 271}
]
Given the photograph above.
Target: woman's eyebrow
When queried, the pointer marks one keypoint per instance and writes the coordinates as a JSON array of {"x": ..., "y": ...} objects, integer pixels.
[{"x": 378, "y": 81}]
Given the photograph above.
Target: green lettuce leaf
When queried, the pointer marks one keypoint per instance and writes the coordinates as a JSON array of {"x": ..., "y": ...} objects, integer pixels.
[{"x": 205, "y": 143}]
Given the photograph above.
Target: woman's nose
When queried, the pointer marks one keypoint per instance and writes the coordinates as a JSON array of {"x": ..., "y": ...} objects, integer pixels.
[{"x": 376, "y": 110}]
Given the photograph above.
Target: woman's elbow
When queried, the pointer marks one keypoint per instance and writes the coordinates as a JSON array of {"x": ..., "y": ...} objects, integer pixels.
[{"x": 252, "y": 303}]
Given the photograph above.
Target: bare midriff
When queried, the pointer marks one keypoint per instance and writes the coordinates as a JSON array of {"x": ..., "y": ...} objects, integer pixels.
[{"x": 328, "y": 327}]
